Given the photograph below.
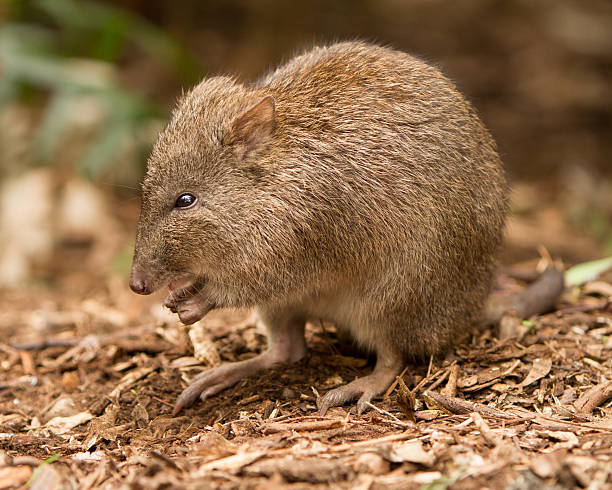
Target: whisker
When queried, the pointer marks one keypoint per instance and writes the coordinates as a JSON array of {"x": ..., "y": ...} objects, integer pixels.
[{"x": 122, "y": 186}]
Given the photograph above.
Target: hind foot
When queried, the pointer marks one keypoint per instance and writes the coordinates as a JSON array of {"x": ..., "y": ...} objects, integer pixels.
[
  {"x": 216, "y": 379},
  {"x": 285, "y": 345},
  {"x": 365, "y": 389}
]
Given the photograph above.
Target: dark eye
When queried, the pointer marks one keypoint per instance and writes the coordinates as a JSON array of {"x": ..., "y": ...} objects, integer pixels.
[{"x": 185, "y": 201}]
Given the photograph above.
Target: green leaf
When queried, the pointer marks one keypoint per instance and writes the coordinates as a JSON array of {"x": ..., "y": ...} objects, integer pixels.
[
  {"x": 587, "y": 271},
  {"x": 8, "y": 90},
  {"x": 49, "y": 460},
  {"x": 112, "y": 25},
  {"x": 58, "y": 51},
  {"x": 25, "y": 56},
  {"x": 52, "y": 459}
]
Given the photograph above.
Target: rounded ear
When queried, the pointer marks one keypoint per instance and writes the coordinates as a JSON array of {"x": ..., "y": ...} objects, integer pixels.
[{"x": 252, "y": 129}]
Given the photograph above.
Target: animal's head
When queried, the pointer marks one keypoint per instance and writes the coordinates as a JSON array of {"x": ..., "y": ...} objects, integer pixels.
[{"x": 200, "y": 190}]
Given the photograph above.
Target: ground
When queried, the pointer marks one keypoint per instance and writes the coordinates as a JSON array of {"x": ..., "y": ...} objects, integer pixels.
[{"x": 90, "y": 372}]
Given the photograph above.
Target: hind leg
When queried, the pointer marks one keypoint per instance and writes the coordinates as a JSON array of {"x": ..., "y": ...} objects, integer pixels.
[
  {"x": 285, "y": 344},
  {"x": 389, "y": 363}
]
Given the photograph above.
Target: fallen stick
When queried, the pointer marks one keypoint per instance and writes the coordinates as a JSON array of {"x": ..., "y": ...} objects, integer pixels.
[
  {"x": 587, "y": 308},
  {"x": 45, "y": 343},
  {"x": 233, "y": 464},
  {"x": 303, "y": 426},
  {"x": 451, "y": 386},
  {"x": 462, "y": 407},
  {"x": 487, "y": 434},
  {"x": 381, "y": 440},
  {"x": 394, "y": 384},
  {"x": 442, "y": 378},
  {"x": 440, "y": 373},
  {"x": 394, "y": 419},
  {"x": 594, "y": 397},
  {"x": 129, "y": 338}
]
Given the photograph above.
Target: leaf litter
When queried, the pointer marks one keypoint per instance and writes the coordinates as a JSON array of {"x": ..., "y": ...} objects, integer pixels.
[{"x": 88, "y": 382}]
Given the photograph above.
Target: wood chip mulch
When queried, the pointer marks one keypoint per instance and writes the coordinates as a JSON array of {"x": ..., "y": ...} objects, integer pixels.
[{"x": 87, "y": 386}]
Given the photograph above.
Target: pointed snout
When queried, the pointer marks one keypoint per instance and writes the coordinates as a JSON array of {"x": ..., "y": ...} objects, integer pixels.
[{"x": 140, "y": 282}]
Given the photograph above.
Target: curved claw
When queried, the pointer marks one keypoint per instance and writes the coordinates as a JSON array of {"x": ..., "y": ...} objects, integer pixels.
[
  {"x": 178, "y": 407},
  {"x": 365, "y": 389},
  {"x": 216, "y": 379},
  {"x": 362, "y": 403},
  {"x": 345, "y": 394},
  {"x": 286, "y": 346},
  {"x": 189, "y": 395}
]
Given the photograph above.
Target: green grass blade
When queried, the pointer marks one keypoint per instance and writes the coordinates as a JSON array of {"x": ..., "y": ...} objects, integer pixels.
[{"x": 587, "y": 271}]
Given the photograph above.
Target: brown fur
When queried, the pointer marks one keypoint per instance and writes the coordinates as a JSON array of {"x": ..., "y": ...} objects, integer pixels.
[{"x": 354, "y": 184}]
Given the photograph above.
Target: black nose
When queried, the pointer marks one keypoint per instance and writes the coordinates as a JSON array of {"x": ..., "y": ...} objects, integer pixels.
[{"x": 140, "y": 283}]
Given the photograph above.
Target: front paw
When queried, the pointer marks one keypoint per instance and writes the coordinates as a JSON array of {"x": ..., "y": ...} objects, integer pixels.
[
  {"x": 190, "y": 312},
  {"x": 191, "y": 303}
]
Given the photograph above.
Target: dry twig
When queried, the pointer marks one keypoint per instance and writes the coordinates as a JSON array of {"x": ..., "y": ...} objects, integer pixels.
[
  {"x": 308, "y": 426},
  {"x": 451, "y": 387},
  {"x": 594, "y": 397},
  {"x": 393, "y": 418},
  {"x": 462, "y": 407}
]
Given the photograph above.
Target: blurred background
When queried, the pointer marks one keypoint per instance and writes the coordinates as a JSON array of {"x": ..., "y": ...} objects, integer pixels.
[{"x": 85, "y": 87}]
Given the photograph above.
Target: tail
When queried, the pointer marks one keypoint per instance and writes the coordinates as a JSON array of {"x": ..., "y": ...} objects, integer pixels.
[{"x": 539, "y": 297}]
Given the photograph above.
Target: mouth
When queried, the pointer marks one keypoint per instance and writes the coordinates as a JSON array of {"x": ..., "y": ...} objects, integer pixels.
[
  {"x": 183, "y": 281},
  {"x": 185, "y": 288},
  {"x": 187, "y": 298}
]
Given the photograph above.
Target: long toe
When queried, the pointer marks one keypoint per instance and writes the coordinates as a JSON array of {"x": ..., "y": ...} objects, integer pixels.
[
  {"x": 364, "y": 389},
  {"x": 213, "y": 380},
  {"x": 364, "y": 400},
  {"x": 190, "y": 395},
  {"x": 339, "y": 396}
]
